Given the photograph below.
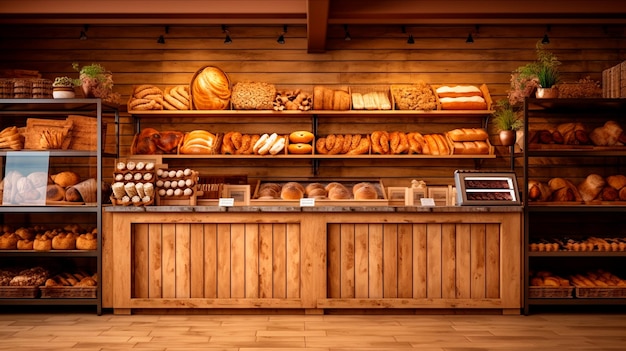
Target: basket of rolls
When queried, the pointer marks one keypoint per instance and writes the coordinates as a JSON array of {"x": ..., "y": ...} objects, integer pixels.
[
  {"x": 463, "y": 97},
  {"x": 545, "y": 284},
  {"x": 210, "y": 89}
]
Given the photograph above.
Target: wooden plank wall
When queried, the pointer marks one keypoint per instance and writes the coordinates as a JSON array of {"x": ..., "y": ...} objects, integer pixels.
[
  {"x": 375, "y": 55},
  {"x": 434, "y": 261}
]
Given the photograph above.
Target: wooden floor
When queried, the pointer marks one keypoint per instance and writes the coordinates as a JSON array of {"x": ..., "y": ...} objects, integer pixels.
[{"x": 86, "y": 331}]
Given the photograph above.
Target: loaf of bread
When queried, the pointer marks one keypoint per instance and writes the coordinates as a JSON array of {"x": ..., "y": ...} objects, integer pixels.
[
  {"x": 210, "y": 90},
  {"x": 330, "y": 99},
  {"x": 436, "y": 145},
  {"x": 338, "y": 192},
  {"x": 538, "y": 191},
  {"x": 591, "y": 187},
  {"x": 468, "y": 134},
  {"x": 571, "y": 134},
  {"x": 611, "y": 133},
  {"x": 66, "y": 178},
  {"x": 199, "y": 142},
  {"x": 458, "y": 91},
  {"x": 463, "y": 103},
  {"x": 564, "y": 190},
  {"x": 364, "y": 191}
]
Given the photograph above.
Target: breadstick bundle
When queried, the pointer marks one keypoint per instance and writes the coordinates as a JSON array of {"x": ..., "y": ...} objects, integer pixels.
[
  {"x": 146, "y": 97},
  {"x": 177, "y": 98}
]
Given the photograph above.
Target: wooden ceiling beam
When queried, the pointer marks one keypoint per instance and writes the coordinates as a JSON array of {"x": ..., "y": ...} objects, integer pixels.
[{"x": 317, "y": 25}]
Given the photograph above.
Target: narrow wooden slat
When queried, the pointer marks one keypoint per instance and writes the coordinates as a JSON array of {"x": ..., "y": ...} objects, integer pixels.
[
  {"x": 463, "y": 261},
  {"x": 155, "y": 263},
  {"x": 361, "y": 248},
  {"x": 265, "y": 261},
  {"x": 347, "y": 260},
  {"x": 168, "y": 259},
  {"x": 252, "y": 260},
  {"x": 433, "y": 260},
  {"x": 279, "y": 264},
  {"x": 419, "y": 261},
  {"x": 375, "y": 261},
  {"x": 237, "y": 261},
  {"x": 477, "y": 264},
  {"x": 294, "y": 260},
  {"x": 334, "y": 260},
  {"x": 210, "y": 260},
  {"x": 390, "y": 260},
  {"x": 140, "y": 261},
  {"x": 183, "y": 260},
  {"x": 196, "y": 249},
  {"x": 223, "y": 260},
  {"x": 405, "y": 260},
  {"x": 492, "y": 264},
  {"x": 448, "y": 261}
]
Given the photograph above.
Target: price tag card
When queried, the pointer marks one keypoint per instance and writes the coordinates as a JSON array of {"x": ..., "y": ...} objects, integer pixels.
[
  {"x": 307, "y": 202},
  {"x": 226, "y": 202},
  {"x": 427, "y": 201}
]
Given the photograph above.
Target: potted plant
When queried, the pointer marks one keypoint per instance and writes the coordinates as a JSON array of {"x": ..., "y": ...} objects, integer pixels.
[
  {"x": 541, "y": 74},
  {"x": 96, "y": 81},
  {"x": 507, "y": 122},
  {"x": 63, "y": 88}
]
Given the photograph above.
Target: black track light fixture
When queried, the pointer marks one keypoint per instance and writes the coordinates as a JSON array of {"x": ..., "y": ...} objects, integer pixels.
[
  {"x": 546, "y": 39},
  {"x": 281, "y": 38},
  {"x": 470, "y": 37},
  {"x": 83, "y": 33},
  {"x": 161, "y": 39},
  {"x": 411, "y": 40},
  {"x": 346, "y": 36},
  {"x": 227, "y": 39}
]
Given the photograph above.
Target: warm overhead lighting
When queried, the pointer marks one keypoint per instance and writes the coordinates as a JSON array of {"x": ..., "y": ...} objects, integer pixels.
[
  {"x": 83, "y": 33},
  {"x": 546, "y": 39},
  {"x": 161, "y": 39},
  {"x": 227, "y": 39},
  {"x": 410, "y": 40},
  {"x": 347, "y": 36},
  {"x": 281, "y": 38}
]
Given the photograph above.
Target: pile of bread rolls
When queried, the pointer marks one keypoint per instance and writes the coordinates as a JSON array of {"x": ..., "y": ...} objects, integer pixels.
[
  {"x": 331, "y": 99},
  {"x": 146, "y": 97},
  {"x": 293, "y": 100},
  {"x": 199, "y": 142},
  {"x": 10, "y": 138},
  {"x": 591, "y": 243},
  {"x": 65, "y": 279},
  {"x": 461, "y": 97},
  {"x": 548, "y": 279},
  {"x": 320, "y": 191},
  {"x": 39, "y": 238},
  {"x": 576, "y": 133},
  {"x": 176, "y": 182},
  {"x": 597, "y": 279},
  {"x": 210, "y": 89},
  {"x": 593, "y": 188}
]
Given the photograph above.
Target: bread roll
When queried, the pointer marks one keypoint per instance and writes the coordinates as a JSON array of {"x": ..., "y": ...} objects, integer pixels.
[
  {"x": 563, "y": 190},
  {"x": 339, "y": 193},
  {"x": 609, "y": 193},
  {"x": 317, "y": 193},
  {"x": 591, "y": 187},
  {"x": 291, "y": 192},
  {"x": 64, "y": 241},
  {"x": 73, "y": 195},
  {"x": 617, "y": 181},
  {"x": 66, "y": 178},
  {"x": 86, "y": 242},
  {"x": 468, "y": 134},
  {"x": 42, "y": 243},
  {"x": 538, "y": 191},
  {"x": 364, "y": 191},
  {"x": 55, "y": 192}
]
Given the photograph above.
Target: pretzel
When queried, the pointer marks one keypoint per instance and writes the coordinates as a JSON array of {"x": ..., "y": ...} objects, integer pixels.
[{"x": 362, "y": 148}]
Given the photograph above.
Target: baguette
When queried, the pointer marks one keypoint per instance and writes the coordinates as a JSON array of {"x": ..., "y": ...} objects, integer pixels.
[{"x": 468, "y": 134}]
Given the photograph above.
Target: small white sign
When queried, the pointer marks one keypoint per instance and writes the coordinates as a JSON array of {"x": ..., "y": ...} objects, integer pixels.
[
  {"x": 427, "y": 201},
  {"x": 226, "y": 202},
  {"x": 307, "y": 202}
]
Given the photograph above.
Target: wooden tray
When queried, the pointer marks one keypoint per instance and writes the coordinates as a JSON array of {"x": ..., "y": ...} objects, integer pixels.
[
  {"x": 19, "y": 292},
  {"x": 77, "y": 292}
]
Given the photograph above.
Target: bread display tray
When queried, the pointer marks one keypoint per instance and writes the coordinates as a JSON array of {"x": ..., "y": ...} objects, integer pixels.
[
  {"x": 19, "y": 292},
  {"x": 486, "y": 188},
  {"x": 604, "y": 292},
  {"x": 542, "y": 292},
  {"x": 82, "y": 292}
]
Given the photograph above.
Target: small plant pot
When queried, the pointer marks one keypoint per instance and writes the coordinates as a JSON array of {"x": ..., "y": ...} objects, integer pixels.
[
  {"x": 547, "y": 93},
  {"x": 508, "y": 137},
  {"x": 63, "y": 93}
]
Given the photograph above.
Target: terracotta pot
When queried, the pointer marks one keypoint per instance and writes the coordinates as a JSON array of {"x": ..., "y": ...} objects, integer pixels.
[
  {"x": 86, "y": 88},
  {"x": 507, "y": 137},
  {"x": 547, "y": 93}
]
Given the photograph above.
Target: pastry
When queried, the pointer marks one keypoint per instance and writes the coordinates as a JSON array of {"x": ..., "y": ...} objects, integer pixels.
[
  {"x": 55, "y": 192},
  {"x": 8, "y": 241},
  {"x": 64, "y": 241}
]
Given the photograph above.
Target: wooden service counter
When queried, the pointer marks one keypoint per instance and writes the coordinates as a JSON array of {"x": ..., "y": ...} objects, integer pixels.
[{"x": 312, "y": 259}]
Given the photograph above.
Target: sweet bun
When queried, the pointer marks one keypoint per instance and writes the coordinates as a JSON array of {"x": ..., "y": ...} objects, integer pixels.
[
  {"x": 210, "y": 89},
  {"x": 64, "y": 241},
  {"x": 295, "y": 184},
  {"x": 25, "y": 244},
  {"x": 365, "y": 191},
  {"x": 301, "y": 136},
  {"x": 86, "y": 242},
  {"x": 66, "y": 178},
  {"x": 8, "y": 241}
]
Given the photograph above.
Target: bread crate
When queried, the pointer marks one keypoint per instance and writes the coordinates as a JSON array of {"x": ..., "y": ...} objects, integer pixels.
[
  {"x": 324, "y": 98},
  {"x": 19, "y": 292},
  {"x": 544, "y": 292}
]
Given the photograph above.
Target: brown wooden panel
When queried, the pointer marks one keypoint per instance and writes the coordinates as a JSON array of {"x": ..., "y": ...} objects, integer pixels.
[
  {"x": 252, "y": 260},
  {"x": 265, "y": 261},
  {"x": 433, "y": 260},
  {"x": 477, "y": 264},
  {"x": 463, "y": 261},
  {"x": 294, "y": 260},
  {"x": 405, "y": 261},
  {"x": 223, "y": 260},
  {"x": 375, "y": 261},
  {"x": 420, "y": 266},
  {"x": 347, "y": 260},
  {"x": 210, "y": 260},
  {"x": 196, "y": 249},
  {"x": 183, "y": 260},
  {"x": 448, "y": 261},
  {"x": 492, "y": 264},
  {"x": 140, "y": 272},
  {"x": 237, "y": 261},
  {"x": 279, "y": 264},
  {"x": 168, "y": 257},
  {"x": 333, "y": 237},
  {"x": 361, "y": 257},
  {"x": 155, "y": 261},
  {"x": 390, "y": 260}
]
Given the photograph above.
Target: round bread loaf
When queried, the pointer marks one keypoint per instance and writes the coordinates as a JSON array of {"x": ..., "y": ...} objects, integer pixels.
[
  {"x": 64, "y": 241},
  {"x": 8, "y": 241},
  {"x": 339, "y": 192},
  {"x": 25, "y": 244},
  {"x": 295, "y": 184},
  {"x": 210, "y": 89},
  {"x": 312, "y": 186},
  {"x": 366, "y": 192},
  {"x": 55, "y": 192},
  {"x": 86, "y": 242},
  {"x": 42, "y": 243},
  {"x": 291, "y": 192}
]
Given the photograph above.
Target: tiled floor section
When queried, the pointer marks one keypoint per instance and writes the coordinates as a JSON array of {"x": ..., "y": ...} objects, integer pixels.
[{"x": 83, "y": 331}]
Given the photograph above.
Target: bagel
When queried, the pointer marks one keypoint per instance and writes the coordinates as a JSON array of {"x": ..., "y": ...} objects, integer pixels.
[
  {"x": 268, "y": 144},
  {"x": 301, "y": 136},
  {"x": 260, "y": 142},
  {"x": 278, "y": 146},
  {"x": 300, "y": 148}
]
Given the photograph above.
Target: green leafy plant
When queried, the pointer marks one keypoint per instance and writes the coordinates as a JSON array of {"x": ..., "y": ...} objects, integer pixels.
[
  {"x": 96, "y": 81},
  {"x": 525, "y": 79},
  {"x": 65, "y": 82},
  {"x": 506, "y": 117},
  {"x": 548, "y": 76}
]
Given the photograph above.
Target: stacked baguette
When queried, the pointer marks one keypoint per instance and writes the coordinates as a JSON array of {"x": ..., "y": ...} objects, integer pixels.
[
  {"x": 461, "y": 97},
  {"x": 472, "y": 141}
]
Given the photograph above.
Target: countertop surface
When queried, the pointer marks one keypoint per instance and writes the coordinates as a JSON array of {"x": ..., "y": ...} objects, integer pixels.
[{"x": 252, "y": 209}]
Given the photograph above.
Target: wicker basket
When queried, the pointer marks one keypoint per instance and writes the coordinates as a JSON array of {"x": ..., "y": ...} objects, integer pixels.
[
  {"x": 74, "y": 292},
  {"x": 542, "y": 292},
  {"x": 19, "y": 292},
  {"x": 605, "y": 292}
]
